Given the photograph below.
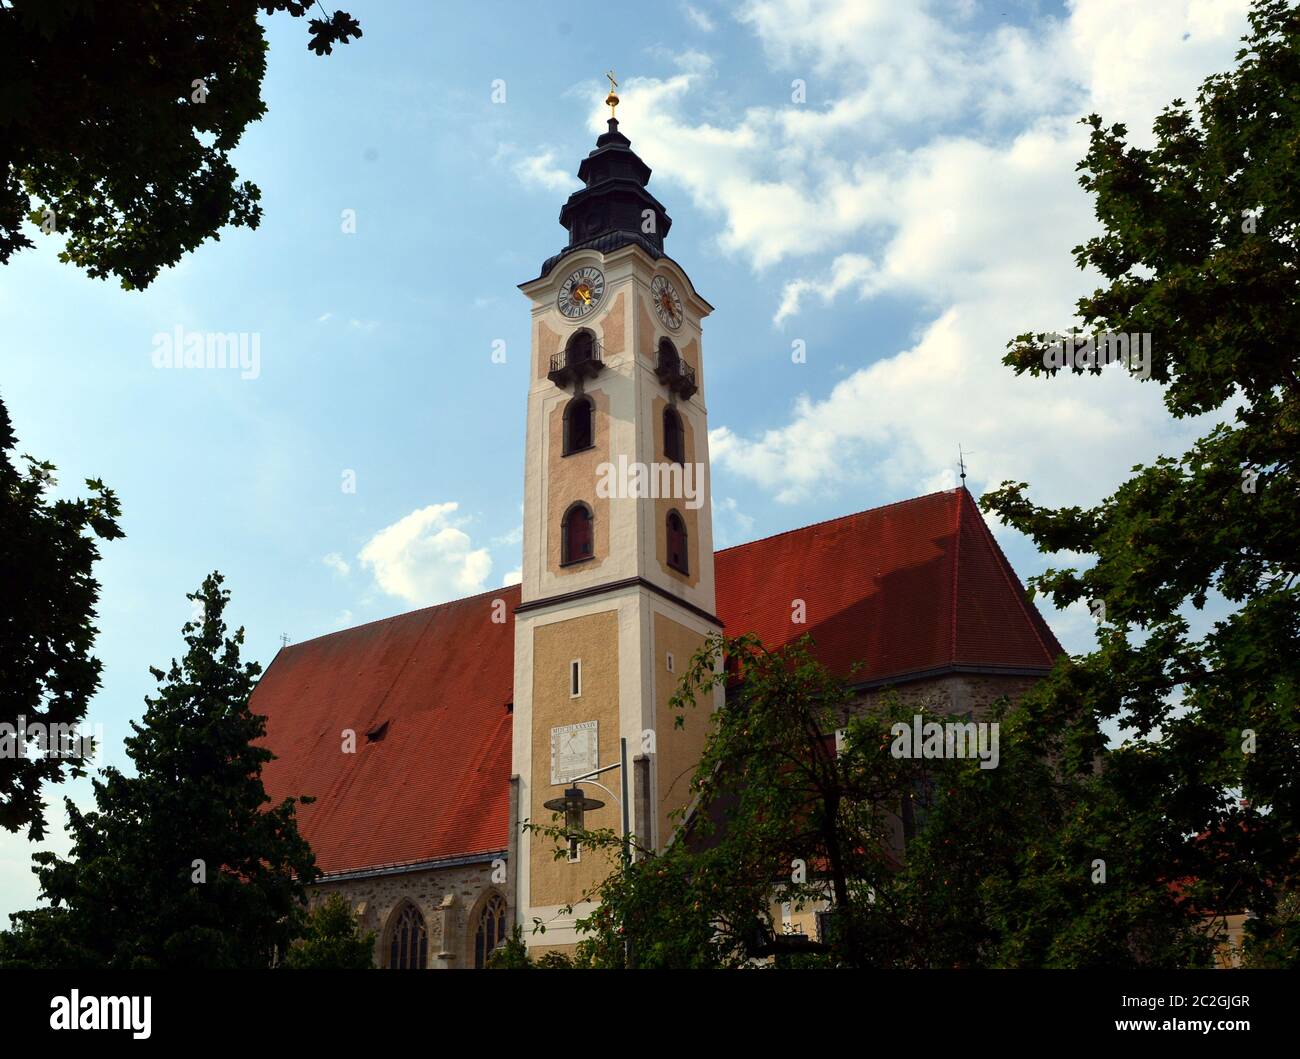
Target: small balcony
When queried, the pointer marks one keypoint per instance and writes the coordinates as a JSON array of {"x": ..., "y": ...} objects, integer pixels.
[
  {"x": 580, "y": 359},
  {"x": 676, "y": 374}
]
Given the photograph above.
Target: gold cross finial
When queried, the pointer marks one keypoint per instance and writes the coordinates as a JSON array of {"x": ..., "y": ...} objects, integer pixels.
[{"x": 611, "y": 100}]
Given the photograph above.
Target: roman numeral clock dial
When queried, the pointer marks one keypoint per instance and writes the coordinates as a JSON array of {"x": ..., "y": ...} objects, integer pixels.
[
  {"x": 668, "y": 305},
  {"x": 581, "y": 292}
]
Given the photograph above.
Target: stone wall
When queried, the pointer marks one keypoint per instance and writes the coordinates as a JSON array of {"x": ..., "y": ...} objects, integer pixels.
[
  {"x": 450, "y": 900},
  {"x": 956, "y": 693}
]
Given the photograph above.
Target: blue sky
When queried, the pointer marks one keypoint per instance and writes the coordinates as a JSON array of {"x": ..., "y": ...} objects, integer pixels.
[{"x": 909, "y": 216}]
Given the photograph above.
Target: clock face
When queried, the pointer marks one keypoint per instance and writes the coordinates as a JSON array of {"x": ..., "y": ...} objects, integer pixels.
[
  {"x": 581, "y": 292},
  {"x": 667, "y": 304}
]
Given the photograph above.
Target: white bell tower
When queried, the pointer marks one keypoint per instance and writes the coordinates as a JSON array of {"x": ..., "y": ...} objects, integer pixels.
[{"x": 618, "y": 589}]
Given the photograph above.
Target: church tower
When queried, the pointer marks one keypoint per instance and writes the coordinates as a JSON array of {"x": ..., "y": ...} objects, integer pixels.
[{"x": 618, "y": 589}]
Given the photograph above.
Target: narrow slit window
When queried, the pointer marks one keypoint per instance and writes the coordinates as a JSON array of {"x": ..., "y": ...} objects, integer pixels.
[{"x": 575, "y": 678}]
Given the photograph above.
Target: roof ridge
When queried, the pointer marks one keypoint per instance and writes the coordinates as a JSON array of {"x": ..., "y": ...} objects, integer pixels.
[
  {"x": 837, "y": 518},
  {"x": 956, "y": 575},
  {"x": 394, "y": 617},
  {"x": 1029, "y": 611},
  {"x": 717, "y": 551}
]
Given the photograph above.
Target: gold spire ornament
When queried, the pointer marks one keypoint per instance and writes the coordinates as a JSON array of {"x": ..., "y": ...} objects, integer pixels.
[{"x": 611, "y": 100}]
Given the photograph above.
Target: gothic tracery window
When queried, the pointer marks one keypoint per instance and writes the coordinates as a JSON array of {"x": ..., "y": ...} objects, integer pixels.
[
  {"x": 408, "y": 943},
  {"x": 491, "y": 930}
]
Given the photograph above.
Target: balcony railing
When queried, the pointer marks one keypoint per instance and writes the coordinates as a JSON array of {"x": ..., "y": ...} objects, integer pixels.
[
  {"x": 676, "y": 374},
  {"x": 576, "y": 362}
]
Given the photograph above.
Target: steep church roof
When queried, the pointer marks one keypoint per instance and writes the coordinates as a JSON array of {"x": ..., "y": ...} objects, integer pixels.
[{"x": 910, "y": 589}]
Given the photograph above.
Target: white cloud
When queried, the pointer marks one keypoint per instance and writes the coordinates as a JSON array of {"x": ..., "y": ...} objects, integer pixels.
[
  {"x": 898, "y": 422},
  {"x": 935, "y": 161},
  {"x": 698, "y": 18},
  {"x": 730, "y": 524},
  {"x": 693, "y": 61},
  {"x": 354, "y": 322},
  {"x": 846, "y": 271},
  {"x": 904, "y": 60},
  {"x": 426, "y": 558},
  {"x": 337, "y": 563},
  {"x": 513, "y": 577},
  {"x": 541, "y": 170},
  {"x": 889, "y": 80},
  {"x": 1136, "y": 58}
]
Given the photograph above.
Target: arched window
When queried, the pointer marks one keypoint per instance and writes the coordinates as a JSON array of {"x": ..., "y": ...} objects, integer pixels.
[
  {"x": 674, "y": 436},
  {"x": 677, "y": 543},
  {"x": 580, "y": 347},
  {"x": 408, "y": 941},
  {"x": 668, "y": 358},
  {"x": 579, "y": 425},
  {"x": 491, "y": 929},
  {"x": 576, "y": 535}
]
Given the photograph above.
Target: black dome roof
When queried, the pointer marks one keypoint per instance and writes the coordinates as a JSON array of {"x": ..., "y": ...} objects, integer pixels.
[{"x": 610, "y": 210}]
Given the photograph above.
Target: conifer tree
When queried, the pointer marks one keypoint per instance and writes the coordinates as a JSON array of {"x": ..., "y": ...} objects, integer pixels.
[{"x": 184, "y": 864}]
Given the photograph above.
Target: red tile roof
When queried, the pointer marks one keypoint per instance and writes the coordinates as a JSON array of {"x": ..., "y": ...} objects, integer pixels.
[
  {"x": 904, "y": 589},
  {"x": 436, "y": 784},
  {"x": 910, "y": 588}
]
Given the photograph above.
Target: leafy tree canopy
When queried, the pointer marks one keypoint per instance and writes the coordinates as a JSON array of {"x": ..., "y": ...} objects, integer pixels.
[
  {"x": 332, "y": 940},
  {"x": 130, "y": 161},
  {"x": 1198, "y": 250},
  {"x": 47, "y": 610},
  {"x": 998, "y": 868}
]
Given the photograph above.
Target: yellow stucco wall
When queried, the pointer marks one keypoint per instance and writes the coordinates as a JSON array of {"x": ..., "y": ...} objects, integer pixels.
[
  {"x": 573, "y": 478},
  {"x": 664, "y": 504},
  {"x": 647, "y": 341},
  {"x": 613, "y": 327},
  {"x": 546, "y": 343},
  {"x": 677, "y": 749},
  {"x": 690, "y": 353},
  {"x": 593, "y": 638}
]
